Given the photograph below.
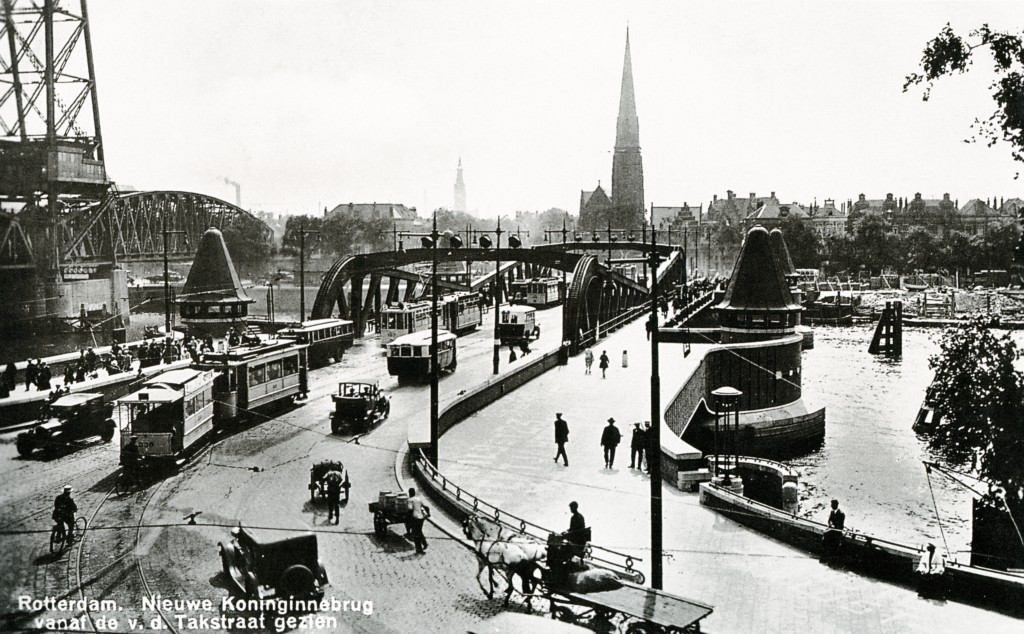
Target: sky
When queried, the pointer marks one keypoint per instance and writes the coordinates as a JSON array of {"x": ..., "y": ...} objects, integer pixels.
[{"x": 310, "y": 104}]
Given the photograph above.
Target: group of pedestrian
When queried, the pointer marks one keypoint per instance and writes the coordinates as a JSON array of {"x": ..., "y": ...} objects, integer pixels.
[
  {"x": 39, "y": 374},
  {"x": 610, "y": 439}
]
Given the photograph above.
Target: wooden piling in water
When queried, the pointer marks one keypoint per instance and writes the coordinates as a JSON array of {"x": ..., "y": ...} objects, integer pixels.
[{"x": 888, "y": 337}]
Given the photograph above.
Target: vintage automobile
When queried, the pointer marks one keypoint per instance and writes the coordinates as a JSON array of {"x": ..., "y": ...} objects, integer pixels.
[
  {"x": 320, "y": 475},
  {"x": 71, "y": 417},
  {"x": 359, "y": 405},
  {"x": 264, "y": 565}
]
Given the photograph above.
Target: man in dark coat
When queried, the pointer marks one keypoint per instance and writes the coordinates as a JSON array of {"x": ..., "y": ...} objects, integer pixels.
[
  {"x": 43, "y": 377},
  {"x": 577, "y": 533},
  {"x": 334, "y": 482},
  {"x": 31, "y": 371},
  {"x": 602, "y": 363},
  {"x": 561, "y": 437},
  {"x": 637, "y": 445},
  {"x": 610, "y": 438}
]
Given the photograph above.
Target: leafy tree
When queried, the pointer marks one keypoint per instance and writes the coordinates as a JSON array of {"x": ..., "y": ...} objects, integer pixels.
[
  {"x": 981, "y": 397},
  {"x": 916, "y": 250},
  {"x": 950, "y": 54},
  {"x": 873, "y": 243},
  {"x": 343, "y": 234},
  {"x": 247, "y": 241},
  {"x": 802, "y": 242},
  {"x": 291, "y": 241}
]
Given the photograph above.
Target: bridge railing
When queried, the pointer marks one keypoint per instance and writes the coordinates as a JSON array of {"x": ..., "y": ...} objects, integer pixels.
[
  {"x": 465, "y": 503},
  {"x": 591, "y": 336}
]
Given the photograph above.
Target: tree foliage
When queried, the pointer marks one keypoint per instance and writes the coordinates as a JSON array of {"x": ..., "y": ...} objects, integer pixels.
[
  {"x": 950, "y": 54},
  {"x": 803, "y": 243},
  {"x": 247, "y": 242},
  {"x": 981, "y": 398}
]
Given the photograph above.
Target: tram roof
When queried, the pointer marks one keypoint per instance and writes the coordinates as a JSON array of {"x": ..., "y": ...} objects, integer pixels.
[
  {"x": 519, "y": 308},
  {"x": 421, "y": 338},
  {"x": 241, "y": 354},
  {"x": 314, "y": 324},
  {"x": 176, "y": 379}
]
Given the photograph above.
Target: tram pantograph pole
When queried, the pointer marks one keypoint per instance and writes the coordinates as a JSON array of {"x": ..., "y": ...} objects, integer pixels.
[{"x": 433, "y": 346}]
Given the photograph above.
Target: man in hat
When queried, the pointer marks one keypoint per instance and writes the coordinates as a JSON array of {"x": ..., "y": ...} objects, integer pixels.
[
  {"x": 577, "y": 533},
  {"x": 561, "y": 437},
  {"x": 64, "y": 509},
  {"x": 637, "y": 444},
  {"x": 334, "y": 482},
  {"x": 610, "y": 438}
]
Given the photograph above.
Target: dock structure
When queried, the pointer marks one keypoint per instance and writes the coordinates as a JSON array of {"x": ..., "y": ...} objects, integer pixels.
[{"x": 888, "y": 337}]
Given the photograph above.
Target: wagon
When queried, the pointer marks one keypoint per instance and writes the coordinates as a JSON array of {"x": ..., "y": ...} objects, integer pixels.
[
  {"x": 70, "y": 417},
  {"x": 360, "y": 405},
  {"x": 319, "y": 478},
  {"x": 390, "y": 512}
]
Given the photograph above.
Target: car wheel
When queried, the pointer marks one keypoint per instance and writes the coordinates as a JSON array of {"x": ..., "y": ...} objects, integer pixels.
[
  {"x": 297, "y": 581},
  {"x": 108, "y": 430},
  {"x": 252, "y": 587},
  {"x": 25, "y": 444}
]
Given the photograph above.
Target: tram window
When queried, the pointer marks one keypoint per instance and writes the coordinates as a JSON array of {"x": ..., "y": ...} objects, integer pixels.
[
  {"x": 291, "y": 365},
  {"x": 257, "y": 375},
  {"x": 273, "y": 370},
  {"x": 190, "y": 407}
]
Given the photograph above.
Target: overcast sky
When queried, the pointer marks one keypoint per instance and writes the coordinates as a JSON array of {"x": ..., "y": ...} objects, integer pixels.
[{"x": 312, "y": 104}]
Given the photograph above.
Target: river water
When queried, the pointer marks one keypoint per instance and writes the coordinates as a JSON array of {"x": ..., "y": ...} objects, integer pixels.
[{"x": 871, "y": 459}]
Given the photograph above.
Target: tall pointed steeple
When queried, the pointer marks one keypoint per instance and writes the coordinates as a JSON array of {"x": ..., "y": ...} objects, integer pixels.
[
  {"x": 460, "y": 190},
  {"x": 627, "y": 165}
]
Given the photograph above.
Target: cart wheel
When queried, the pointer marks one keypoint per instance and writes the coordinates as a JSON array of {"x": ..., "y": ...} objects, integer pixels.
[
  {"x": 380, "y": 525},
  {"x": 639, "y": 627},
  {"x": 564, "y": 614},
  {"x": 335, "y": 427},
  {"x": 25, "y": 444},
  {"x": 252, "y": 587},
  {"x": 57, "y": 538},
  {"x": 108, "y": 430}
]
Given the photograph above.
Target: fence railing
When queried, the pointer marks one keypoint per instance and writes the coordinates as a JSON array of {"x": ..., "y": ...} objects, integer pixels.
[
  {"x": 470, "y": 504},
  {"x": 589, "y": 337}
]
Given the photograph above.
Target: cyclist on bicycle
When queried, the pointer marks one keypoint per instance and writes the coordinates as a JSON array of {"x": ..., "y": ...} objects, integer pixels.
[{"x": 64, "y": 509}]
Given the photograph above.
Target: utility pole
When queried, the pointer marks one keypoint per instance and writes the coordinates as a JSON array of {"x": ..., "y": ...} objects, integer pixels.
[
  {"x": 654, "y": 447},
  {"x": 433, "y": 345},
  {"x": 167, "y": 282},
  {"x": 302, "y": 267}
]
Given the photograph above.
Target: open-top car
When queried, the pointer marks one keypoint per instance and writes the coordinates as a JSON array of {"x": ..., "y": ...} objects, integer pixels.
[
  {"x": 279, "y": 564},
  {"x": 71, "y": 417},
  {"x": 359, "y": 405}
]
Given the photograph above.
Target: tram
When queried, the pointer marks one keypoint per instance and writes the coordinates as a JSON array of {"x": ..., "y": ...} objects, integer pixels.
[
  {"x": 409, "y": 355},
  {"x": 459, "y": 313},
  {"x": 327, "y": 339},
  {"x": 537, "y": 291},
  {"x": 176, "y": 410},
  {"x": 517, "y": 324}
]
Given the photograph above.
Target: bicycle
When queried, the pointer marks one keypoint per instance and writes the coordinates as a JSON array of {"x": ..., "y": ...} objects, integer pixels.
[
  {"x": 59, "y": 537},
  {"x": 129, "y": 480}
]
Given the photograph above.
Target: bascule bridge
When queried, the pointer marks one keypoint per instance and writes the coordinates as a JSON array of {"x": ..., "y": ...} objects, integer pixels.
[{"x": 66, "y": 232}]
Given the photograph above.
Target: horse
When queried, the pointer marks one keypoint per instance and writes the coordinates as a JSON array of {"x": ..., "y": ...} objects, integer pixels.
[{"x": 512, "y": 555}]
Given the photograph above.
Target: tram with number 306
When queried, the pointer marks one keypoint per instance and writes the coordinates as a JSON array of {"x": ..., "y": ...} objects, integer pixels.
[{"x": 176, "y": 411}]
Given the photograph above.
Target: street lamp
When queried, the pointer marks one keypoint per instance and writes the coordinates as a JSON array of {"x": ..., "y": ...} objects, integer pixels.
[
  {"x": 728, "y": 402},
  {"x": 485, "y": 243},
  {"x": 302, "y": 267}
]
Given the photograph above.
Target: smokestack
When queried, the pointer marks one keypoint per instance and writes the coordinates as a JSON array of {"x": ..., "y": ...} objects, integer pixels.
[{"x": 238, "y": 191}]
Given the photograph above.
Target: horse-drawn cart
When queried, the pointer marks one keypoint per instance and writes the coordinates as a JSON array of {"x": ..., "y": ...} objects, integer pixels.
[{"x": 576, "y": 588}]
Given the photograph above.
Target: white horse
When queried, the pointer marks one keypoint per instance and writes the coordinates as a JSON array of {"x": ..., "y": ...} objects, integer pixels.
[{"x": 508, "y": 556}]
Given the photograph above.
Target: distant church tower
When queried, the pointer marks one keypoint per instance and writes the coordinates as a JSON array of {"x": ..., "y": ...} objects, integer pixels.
[
  {"x": 460, "y": 190},
  {"x": 625, "y": 208},
  {"x": 627, "y": 166}
]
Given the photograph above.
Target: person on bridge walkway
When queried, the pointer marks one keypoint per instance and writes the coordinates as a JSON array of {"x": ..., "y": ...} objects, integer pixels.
[
  {"x": 10, "y": 377},
  {"x": 603, "y": 363},
  {"x": 625, "y": 359},
  {"x": 588, "y": 359},
  {"x": 511, "y": 353},
  {"x": 561, "y": 437},
  {"x": 610, "y": 438},
  {"x": 31, "y": 371},
  {"x": 418, "y": 514},
  {"x": 43, "y": 377},
  {"x": 832, "y": 540},
  {"x": 637, "y": 445}
]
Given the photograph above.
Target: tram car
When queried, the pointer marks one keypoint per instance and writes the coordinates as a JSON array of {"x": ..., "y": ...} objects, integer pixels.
[
  {"x": 251, "y": 377},
  {"x": 403, "y": 319},
  {"x": 327, "y": 339},
  {"x": 537, "y": 291},
  {"x": 170, "y": 415},
  {"x": 409, "y": 355},
  {"x": 176, "y": 410},
  {"x": 461, "y": 312},
  {"x": 517, "y": 324}
]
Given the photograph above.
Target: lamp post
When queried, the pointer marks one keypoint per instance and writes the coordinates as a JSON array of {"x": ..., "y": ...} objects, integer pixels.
[
  {"x": 167, "y": 282},
  {"x": 302, "y": 267},
  {"x": 654, "y": 457},
  {"x": 728, "y": 402},
  {"x": 565, "y": 232}
]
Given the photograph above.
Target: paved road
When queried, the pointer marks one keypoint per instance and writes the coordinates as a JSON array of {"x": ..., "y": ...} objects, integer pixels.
[
  {"x": 138, "y": 545},
  {"x": 756, "y": 584}
]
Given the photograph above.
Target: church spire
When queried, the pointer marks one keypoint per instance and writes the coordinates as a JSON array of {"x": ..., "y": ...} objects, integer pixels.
[
  {"x": 627, "y": 129},
  {"x": 460, "y": 190}
]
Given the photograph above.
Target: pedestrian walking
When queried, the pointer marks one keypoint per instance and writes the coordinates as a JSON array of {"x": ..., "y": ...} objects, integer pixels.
[
  {"x": 603, "y": 363},
  {"x": 43, "y": 377},
  {"x": 561, "y": 437},
  {"x": 511, "y": 353},
  {"x": 647, "y": 324},
  {"x": 11, "y": 376},
  {"x": 418, "y": 513},
  {"x": 69, "y": 374},
  {"x": 649, "y": 446},
  {"x": 610, "y": 438},
  {"x": 637, "y": 444},
  {"x": 31, "y": 371},
  {"x": 625, "y": 359},
  {"x": 588, "y": 358}
]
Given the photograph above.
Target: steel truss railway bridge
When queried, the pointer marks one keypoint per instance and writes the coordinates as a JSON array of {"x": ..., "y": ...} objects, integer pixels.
[{"x": 596, "y": 295}]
